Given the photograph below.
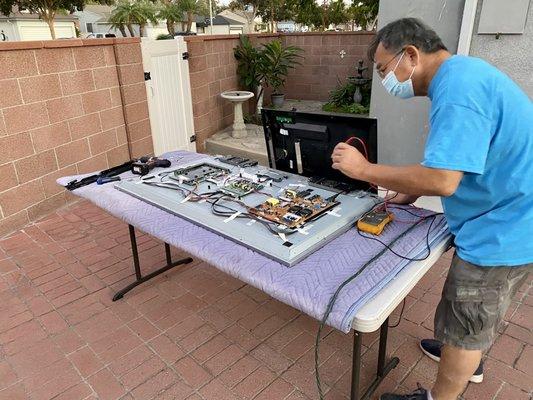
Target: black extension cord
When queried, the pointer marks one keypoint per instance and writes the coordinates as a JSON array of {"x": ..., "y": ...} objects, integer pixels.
[{"x": 335, "y": 295}]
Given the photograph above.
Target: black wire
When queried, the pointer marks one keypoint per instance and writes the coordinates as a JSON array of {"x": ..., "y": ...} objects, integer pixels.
[
  {"x": 267, "y": 224},
  {"x": 165, "y": 186},
  {"x": 333, "y": 298},
  {"x": 400, "y": 317},
  {"x": 398, "y": 207},
  {"x": 388, "y": 247},
  {"x": 334, "y": 197}
]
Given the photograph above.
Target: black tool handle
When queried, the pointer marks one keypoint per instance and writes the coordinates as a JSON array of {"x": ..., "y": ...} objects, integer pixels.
[{"x": 162, "y": 163}]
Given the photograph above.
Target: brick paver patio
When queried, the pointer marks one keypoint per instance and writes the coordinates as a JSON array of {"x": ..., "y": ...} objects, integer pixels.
[{"x": 194, "y": 333}]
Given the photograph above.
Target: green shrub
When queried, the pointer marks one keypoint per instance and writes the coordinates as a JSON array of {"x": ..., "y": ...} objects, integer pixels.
[
  {"x": 341, "y": 99},
  {"x": 264, "y": 66},
  {"x": 354, "y": 108}
]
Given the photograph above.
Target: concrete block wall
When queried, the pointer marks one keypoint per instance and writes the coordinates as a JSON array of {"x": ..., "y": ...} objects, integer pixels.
[
  {"x": 329, "y": 59},
  {"x": 63, "y": 111},
  {"x": 213, "y": 69},
  {"x": 76, "y": 106}
]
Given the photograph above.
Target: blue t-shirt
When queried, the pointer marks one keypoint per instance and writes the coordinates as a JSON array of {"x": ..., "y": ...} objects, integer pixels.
[{"x": 481, "y": 123}]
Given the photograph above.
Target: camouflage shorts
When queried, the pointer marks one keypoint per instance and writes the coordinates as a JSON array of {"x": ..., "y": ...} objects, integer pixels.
[{"x": 474, "y": 301}]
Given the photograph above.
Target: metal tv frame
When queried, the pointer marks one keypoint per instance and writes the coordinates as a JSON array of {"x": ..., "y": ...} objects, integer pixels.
[{"x": 254, "y": 235}]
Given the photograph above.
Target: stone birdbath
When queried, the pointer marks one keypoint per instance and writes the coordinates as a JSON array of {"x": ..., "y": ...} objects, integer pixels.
[{"x": 237, "y": 97}]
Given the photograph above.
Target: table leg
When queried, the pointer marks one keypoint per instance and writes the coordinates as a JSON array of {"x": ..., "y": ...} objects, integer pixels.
[
  {"x": 136, "y": 264},
  {"x": 356, "y": 364},
  {"x": 383, "y": 368}
]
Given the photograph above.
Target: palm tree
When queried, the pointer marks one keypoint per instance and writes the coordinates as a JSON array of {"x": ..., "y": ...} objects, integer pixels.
[
  {"x": 145, "y": 13},
  {"x": 193, "y": 8},
  {"x": 128, "y": 13},
  {"x": 122, "y": 16},
  {"x": 118, "y": 21},
  {"x": 170, "y": 12}
]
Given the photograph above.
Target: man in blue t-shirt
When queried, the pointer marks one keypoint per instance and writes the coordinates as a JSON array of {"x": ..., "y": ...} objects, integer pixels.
[{"x": 479, "y": 159}]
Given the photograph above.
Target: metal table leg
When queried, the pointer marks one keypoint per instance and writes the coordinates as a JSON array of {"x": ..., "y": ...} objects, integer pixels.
[
  {"x": 139, "y": 277},
  {"x": 383, "y": 367}
]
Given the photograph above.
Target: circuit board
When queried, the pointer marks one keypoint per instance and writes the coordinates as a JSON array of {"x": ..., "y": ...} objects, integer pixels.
[
  {"x": 292, "y": 210},
  {"x": 241, "y": 187},
  {"x": 196, "y": 174}
]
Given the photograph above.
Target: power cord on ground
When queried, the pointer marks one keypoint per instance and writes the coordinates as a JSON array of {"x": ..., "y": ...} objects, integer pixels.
[{"x": 333, "y": 298}]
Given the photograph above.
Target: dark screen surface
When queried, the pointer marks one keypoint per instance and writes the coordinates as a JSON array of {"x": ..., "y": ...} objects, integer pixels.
[{"x": 316, "y": 135}]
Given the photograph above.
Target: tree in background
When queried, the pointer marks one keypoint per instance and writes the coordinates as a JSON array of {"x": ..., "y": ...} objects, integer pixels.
[
  {"x": 319, "y": 16},
  {"x": 337, "y": 13},
  {"x": 364, "y": 13},
  {"x": 46, "y": 9},
  {"x": 249, "y": 9},
  {"x": 192, "y": 8},
  {"x": 172, "y": 13},
  {"x": 129, "y": 13},
  {"x": 274, "y": 11},
  {"x": 306, "y": 12},
  {"x": 122, "y": 17},
  {"x": 117, "y": 22},
  {"x": 218, "y": 8},
  {"x": 146, "y": 13}
]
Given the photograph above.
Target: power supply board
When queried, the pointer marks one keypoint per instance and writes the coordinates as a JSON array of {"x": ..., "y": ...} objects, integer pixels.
[
  {"x": 293, "y": 212},
  {"x": 278, "y": 214}
]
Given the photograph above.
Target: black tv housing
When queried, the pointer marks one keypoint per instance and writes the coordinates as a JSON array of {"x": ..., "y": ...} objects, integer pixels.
[{"x": 302, "y": 143}]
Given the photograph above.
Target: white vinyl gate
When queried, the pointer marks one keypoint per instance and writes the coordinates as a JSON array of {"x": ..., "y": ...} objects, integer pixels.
[{"x": 168, "y": 90}]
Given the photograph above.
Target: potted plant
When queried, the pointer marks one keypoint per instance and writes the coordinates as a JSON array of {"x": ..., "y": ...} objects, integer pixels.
[
  {"x": 249, "y": 60},
  {"x": 266, "y": 66},
  {"x": 276, "y": 61}
]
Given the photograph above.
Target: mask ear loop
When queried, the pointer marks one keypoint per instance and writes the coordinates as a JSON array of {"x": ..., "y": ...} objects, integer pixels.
[
  {"x": 412, "y": 72},
  {"x": 398, "y": 63},
  {"x": 399, "y": 60}
]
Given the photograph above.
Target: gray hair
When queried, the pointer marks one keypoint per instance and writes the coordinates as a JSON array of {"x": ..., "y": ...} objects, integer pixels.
[{"x": 404, "y": 32}]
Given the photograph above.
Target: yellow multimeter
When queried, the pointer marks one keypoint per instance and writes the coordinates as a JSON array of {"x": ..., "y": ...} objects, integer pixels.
[{"x": 374, "y": 222}]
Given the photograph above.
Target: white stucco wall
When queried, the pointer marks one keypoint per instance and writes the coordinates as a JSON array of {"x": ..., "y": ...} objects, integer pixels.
[
  {"x": 39, "y": 30},
  {"x": 87, "y": 17},
  {"x": 510, "y": 53},
  {"x": 223, "y": 30},
  {"x": 153, "y": 31},
  {"x": 36, "y": 30}
]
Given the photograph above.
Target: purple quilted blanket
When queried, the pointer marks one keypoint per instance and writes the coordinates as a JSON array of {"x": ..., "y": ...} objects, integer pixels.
[{"x": 306, "y": 286}]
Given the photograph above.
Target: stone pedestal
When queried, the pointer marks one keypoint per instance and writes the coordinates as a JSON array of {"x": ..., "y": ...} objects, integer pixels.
[{"x": 239, "y": 128}]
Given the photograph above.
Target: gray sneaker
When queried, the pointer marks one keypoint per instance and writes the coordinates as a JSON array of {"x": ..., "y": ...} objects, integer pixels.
[{"x": 432, "y": 348}]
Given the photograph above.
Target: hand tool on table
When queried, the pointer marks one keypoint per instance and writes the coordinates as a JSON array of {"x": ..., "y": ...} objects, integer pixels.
[
  {"x": 106, "y": 179},
  {"x": 144, "y": 165},
  {"x": 114, "y": 171}
]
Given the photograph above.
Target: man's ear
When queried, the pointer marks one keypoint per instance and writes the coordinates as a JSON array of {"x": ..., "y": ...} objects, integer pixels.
[{"x": 412, "y": 54}]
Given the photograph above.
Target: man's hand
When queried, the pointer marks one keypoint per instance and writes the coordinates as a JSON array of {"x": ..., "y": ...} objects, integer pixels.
[{"x": 349, "y": 160}]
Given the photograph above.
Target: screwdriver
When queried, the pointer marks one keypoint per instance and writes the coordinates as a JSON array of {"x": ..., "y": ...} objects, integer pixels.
[{"x": 106, "y": 179}]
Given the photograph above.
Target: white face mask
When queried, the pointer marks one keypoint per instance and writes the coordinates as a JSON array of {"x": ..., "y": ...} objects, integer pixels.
[{"x": 404, "y": 90}]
